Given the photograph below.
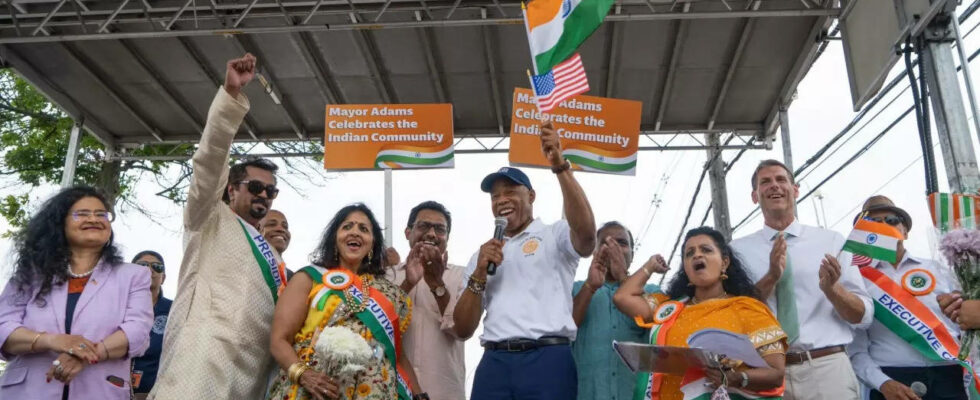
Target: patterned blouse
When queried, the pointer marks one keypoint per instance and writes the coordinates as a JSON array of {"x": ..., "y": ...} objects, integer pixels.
[{"x": 379, "y": 380}]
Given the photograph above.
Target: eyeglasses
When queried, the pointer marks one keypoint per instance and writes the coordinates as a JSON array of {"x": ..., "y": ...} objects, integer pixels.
[
  {"x": 425, "y": 226},
  {"x": 80, "y": 215},
  {"x": 155, "y": 266},
  {"x": 888, "y": 219},
  {"x": 256, "y": 188}
]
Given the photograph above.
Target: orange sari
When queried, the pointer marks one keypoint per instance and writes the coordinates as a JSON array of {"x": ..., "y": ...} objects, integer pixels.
[{"x": 743, "y": 315}]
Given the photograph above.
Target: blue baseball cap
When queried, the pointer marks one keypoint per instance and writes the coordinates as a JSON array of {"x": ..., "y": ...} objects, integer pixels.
[{"x": 513, "y": 174}]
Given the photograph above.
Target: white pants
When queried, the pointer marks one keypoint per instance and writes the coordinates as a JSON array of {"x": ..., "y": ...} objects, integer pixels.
[{"x": 829, "y": 377}]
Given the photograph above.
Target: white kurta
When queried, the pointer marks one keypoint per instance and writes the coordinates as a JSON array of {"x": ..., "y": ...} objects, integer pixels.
[{"x": 217, "y": 340}]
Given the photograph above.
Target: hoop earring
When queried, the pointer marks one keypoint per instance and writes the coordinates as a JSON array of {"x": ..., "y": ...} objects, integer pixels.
[{"x": 724, "y": 276}]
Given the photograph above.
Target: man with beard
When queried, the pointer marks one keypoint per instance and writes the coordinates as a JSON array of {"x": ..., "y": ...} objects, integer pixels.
[
  {"x": 598, "y": 320},
  {"x": 529, "y": 327},
  {"x": 217, "y": 339},
  {"x": 798, "y": 272},
  {"x": 433, "y": 348}
]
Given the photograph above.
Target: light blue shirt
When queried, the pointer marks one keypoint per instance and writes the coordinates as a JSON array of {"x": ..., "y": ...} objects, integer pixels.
[{"x": 601, "y": 374}]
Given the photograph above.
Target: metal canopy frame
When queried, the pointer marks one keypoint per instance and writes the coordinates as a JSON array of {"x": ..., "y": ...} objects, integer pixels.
[{"x": 29, "y": 23}]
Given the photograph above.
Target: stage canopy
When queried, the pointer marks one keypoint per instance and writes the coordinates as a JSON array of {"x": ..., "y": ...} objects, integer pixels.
[{"x": 141, "y": 71}]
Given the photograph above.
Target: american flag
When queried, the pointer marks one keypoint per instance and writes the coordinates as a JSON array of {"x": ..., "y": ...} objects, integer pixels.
[{"x": 564, "y": 81}]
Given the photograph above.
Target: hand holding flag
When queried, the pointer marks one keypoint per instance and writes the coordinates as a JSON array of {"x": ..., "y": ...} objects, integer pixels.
[
  {"x": 877, "y": 240},
  {"x": 550, "y": 145}
]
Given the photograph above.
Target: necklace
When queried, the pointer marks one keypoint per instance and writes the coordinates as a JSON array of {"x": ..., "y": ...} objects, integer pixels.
[
  {"x": 349, "y": 295},
  {"x": 694, "y": 300},
  {"x": 82, "y": 275}
]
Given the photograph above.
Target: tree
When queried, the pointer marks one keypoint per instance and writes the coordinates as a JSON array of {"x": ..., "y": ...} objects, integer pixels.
[{"x": 34, "y": 137}]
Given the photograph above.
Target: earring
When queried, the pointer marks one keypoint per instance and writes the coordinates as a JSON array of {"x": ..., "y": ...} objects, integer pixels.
[
  {"x": 370, "y": 254},
  {"x": 689, "y": 284},
  {"x": 336, "y": 254},
  {"x": 724, "y": 276}
]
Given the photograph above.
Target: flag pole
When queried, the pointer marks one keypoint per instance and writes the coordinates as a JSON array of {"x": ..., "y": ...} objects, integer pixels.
[{"x": 527, "y": 30}]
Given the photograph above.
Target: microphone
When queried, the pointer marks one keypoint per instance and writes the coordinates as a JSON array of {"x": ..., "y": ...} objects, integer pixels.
[
  {"x": 919, "y": 388},
  {"x": 499, "y": 224}
]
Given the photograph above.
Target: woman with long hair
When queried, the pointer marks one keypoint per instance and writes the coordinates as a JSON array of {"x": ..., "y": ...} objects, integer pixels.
[
  {"x": 73, "y": 314},
  {"x": 712, "y": 291},
  {"x": 342, "y": 288}
]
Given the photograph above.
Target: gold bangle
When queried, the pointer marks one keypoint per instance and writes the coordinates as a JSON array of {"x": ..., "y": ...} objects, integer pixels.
[
  {"x": 34, "y": 342},
  {"x": 478, "y": 280},
  {"x": 296, "y": 371}
]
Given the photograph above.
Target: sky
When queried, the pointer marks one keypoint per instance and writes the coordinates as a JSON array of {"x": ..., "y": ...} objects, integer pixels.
[{"x": 651, "y": 204}]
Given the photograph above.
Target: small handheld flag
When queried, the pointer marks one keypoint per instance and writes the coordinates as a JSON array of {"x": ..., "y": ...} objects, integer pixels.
[
  {"x": 877, "y": 240},
  {"x": 566, "y": 80}
]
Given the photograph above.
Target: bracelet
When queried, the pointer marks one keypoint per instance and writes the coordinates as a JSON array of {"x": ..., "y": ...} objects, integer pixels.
[
  {"x": 34, "y": 342},
  {"x": 478, "y": 280},
  {"x": 562, "y": 168},
  {"x": 745, "y": 379},
  {"x": 296, "y": 370},
  {"x": 649, "y": 274},
  {"x": 591, "y": 289},
  {"x": 104, "y": 349},
  {"x": 476, "y": 286}
]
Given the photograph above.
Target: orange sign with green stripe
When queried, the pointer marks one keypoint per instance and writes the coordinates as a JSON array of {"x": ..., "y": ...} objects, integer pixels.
[
  {"x": 597, "y": 134},
  {"x": 388, "y": 136}
]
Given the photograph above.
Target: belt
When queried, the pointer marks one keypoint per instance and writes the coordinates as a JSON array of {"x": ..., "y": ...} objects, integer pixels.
[
  {"x": 801, "y": 356},
  {"x": 516, "y": 345}
]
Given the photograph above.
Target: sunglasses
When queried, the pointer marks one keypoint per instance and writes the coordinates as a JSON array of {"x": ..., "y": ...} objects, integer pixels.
[
  {"x": 155, "y": 266},
  {"x": 256, "y": 188},
  {"x": 888, "y": 219}
]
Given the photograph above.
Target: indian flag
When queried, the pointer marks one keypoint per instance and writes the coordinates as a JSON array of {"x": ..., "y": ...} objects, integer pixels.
[
  {"x": 556, "y": 28},
  {"x": 877, "y": 240},
  {"x": 953, "y": 210},
  {"x": 594, "y": 160},
  {"x": 401, "y": 156}
]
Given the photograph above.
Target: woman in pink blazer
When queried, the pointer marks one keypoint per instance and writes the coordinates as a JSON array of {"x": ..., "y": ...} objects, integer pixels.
[{"x": 73, "y": 314}]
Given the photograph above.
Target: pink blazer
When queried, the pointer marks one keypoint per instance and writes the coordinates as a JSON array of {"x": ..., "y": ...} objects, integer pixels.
[{"x": 115, "y": 298}]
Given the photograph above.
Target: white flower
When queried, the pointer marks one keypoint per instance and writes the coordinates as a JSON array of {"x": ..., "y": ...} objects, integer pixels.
[{"x": 342, "y": 346}]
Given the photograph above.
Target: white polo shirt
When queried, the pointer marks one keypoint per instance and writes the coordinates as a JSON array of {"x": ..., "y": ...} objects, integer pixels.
[{"x": 530, "y": 295}]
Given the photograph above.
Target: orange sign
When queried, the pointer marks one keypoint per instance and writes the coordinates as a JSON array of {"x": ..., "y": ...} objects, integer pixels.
[
  {"x": 597, "y": 134},
  {"x": 383, "y": 136}
]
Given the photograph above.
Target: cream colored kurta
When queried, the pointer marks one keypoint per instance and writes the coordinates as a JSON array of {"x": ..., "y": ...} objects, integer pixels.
[{"x": 217, "y": 340}]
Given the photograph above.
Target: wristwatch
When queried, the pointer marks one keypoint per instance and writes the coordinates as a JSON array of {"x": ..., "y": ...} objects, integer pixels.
[
  {"x": 745, "y": 379},
  {"x": 562, "y": 168},
  {"x": 439, "y": 291}
]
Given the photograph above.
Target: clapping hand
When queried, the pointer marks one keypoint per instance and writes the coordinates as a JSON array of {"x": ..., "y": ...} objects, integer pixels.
[
  {"x": 777, "y": 257},
  {"x": 830, "y": 272}
]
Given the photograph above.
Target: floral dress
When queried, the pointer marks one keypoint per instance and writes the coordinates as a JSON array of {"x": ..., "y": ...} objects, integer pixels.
[{"x": 379, "y": 380}]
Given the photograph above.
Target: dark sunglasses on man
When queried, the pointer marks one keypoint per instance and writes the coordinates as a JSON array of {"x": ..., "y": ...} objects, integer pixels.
[
  {"x": 256, "y": 188},
  {"x": 888, "y": 219},
  {"x": 155, "y": 266}
]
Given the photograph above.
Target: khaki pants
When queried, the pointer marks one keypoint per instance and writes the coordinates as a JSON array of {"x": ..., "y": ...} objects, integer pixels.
[{"x": 829, "y": 377}]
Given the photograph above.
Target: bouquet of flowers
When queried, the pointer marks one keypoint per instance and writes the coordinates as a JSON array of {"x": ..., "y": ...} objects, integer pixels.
[
  {"x": 341, "y": 354},
  {"x": 961, "y": 247}
]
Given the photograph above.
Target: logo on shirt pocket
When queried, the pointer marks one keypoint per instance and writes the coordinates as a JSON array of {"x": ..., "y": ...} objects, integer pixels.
[{"x": 530, "y": 246}]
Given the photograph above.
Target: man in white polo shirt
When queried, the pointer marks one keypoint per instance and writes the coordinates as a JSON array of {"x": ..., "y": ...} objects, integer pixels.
[
  {"x": 529, "y": 326},
  {"x": 798, "y": 269}
]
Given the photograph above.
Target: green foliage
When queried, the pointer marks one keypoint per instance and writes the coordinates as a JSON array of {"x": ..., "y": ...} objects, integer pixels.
[{"x": 34, "y": 137}]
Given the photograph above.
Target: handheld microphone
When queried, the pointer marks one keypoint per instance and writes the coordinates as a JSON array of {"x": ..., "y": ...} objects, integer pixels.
[
  {"x": 499, "y": 224},
  {"x": 919, "y": 388}
]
